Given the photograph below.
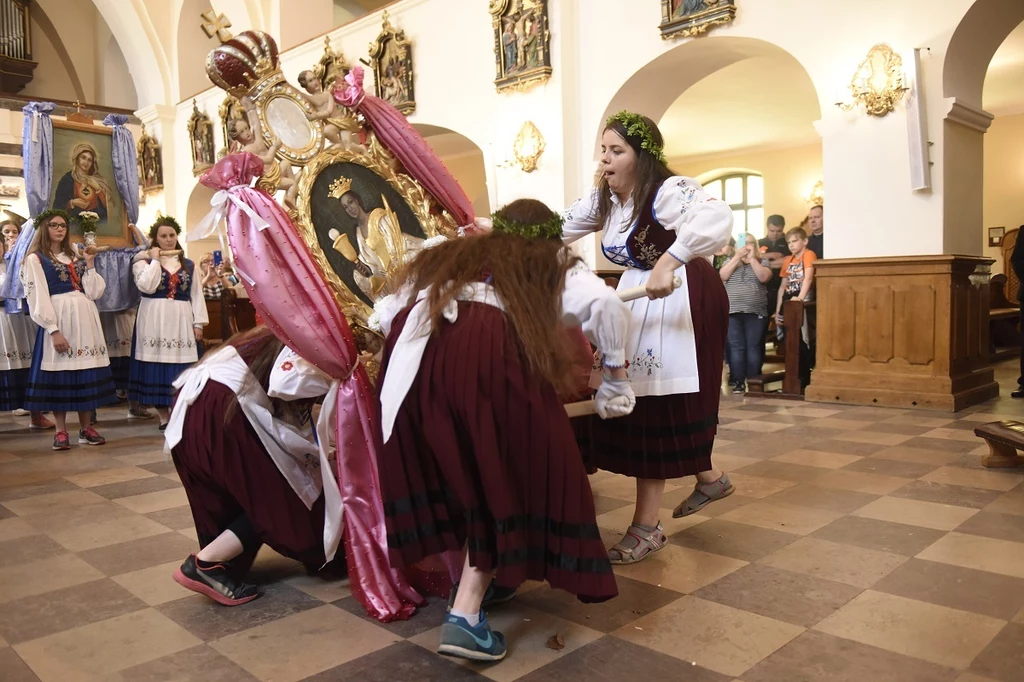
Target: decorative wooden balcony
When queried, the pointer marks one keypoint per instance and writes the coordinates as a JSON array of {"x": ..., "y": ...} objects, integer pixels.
[{"x": 16, "y": 65}]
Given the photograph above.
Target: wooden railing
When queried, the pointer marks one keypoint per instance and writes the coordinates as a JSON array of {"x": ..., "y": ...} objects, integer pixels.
[{"x": 15, "y": 34}]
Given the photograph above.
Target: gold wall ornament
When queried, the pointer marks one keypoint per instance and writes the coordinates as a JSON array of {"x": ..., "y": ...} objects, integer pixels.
[
  {"x": 816, "y": 196},
  {"x": 522, "y": 43},
  {"x": 528, "y": 147},
  {"x": 393, "y": 75},
  {"x": 878, "y": 83},
  {"x": 200, "y": 135},
  {"x": 691, "y": 18},
  {"x": 151, "y": 167},
  {"x": 230, "y": 109},
  {"x": 380, "y": 162}
]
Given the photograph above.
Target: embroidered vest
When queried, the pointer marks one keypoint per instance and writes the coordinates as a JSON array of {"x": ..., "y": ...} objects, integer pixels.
[
  {"x": 60, "y": 277},
  {"x": 176, "y": 286},
  {"x": 647, "y": 242}
]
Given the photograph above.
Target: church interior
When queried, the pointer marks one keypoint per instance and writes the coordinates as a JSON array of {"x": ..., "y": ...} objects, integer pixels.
[{"x": 877, "y": 526}]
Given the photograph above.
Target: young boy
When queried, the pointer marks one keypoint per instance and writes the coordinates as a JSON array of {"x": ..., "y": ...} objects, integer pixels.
[{"x": 797, "y": 283}]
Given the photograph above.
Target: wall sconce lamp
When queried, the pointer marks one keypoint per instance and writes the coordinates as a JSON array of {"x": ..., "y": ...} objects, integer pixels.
[
  {"x": 528, "y": 147},
  {"x": 816, "y": 195},
  {"x": 878, "y": 83}
]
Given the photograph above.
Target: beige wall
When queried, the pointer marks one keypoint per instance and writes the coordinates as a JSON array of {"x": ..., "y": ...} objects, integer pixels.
[
  {"x": 1004, "y": 179},
  {"x": 789, "y": 175}
]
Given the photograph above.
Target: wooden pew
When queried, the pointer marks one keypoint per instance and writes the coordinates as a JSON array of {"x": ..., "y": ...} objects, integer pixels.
[
  {"x": 1003, "y": 321},
  {"x": 1005, "y": 439}
]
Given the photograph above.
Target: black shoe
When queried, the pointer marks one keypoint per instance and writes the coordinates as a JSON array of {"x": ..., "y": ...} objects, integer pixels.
[
  {"x": 492, "y": 597},
  {"x": 215, "y": 582},
  {"x": 1019, "y": 393}
]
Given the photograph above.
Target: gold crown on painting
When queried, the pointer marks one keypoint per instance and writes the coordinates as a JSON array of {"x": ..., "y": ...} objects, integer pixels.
[
  {"x": 339, "y": 187},
  {"x": 243, "y": 62}
]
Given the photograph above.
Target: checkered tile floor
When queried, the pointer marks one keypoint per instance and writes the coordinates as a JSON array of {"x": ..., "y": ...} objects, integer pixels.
[{"x": 861, "y": 544}]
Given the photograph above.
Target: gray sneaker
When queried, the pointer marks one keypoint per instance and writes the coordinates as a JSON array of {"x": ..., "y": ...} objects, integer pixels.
[{"x": 462, "y": 640}]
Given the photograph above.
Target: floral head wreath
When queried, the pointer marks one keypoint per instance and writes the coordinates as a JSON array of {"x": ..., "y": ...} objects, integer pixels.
[
  {"x": 636, "y": 126},
  {"x": 51, "y": 213},
  {"x": 161, "y": 221},
  {"x": 549, "y": 229}
]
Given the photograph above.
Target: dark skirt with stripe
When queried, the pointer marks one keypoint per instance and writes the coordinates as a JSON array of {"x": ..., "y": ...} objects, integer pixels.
[
  {"x": 670, "y": 436},
  {"x": 75, "y": 390},
  {"x": 226, "y": 472},
  {"x": 151, "y": 383},
  {"x": 13, "y": 384},
  {"x": 483, "y": 454},
  {"x": 120, "y": 367}
]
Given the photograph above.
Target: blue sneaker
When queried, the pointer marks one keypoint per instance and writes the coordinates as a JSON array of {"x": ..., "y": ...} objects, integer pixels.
[
  {"x": 494, "y": 596},
  {"x": 461, "y": 640}
]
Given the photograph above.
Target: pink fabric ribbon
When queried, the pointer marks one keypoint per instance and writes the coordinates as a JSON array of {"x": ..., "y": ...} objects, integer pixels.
[
  {"x": 290, "y": 293},
  {"x": 408, "y": 146}
]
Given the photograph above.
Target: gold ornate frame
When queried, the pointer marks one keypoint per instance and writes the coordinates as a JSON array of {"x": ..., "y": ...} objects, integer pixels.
[
  {"x": 140, "y": 153},
  {"x": 379, "y": 160},
  {"x": 716, "y": 13},
  {"x": 193, "y": 130},
  {"x": 502, "y": 10},
  {"x": 378, "y": 47}
]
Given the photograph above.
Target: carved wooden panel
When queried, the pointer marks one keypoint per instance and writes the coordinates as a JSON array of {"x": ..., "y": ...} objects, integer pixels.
[
  {"x": 915, "y": 309},
  {"x": 1012, "y": 283},
  {"x": 842, "y": 314},
  {"x": 875, "y": 323}
]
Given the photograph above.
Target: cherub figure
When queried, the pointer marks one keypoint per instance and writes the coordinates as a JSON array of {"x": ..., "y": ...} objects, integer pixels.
[
  {"x": 325, "y": 108},
  {"x": 249, "y": 135}
]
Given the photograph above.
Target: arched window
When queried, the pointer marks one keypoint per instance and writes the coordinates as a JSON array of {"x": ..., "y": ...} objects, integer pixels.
[{"x": 744, "y": 192}]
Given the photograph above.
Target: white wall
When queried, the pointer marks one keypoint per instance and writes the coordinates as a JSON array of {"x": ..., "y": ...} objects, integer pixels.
[{"x": 1004, "y": 180}]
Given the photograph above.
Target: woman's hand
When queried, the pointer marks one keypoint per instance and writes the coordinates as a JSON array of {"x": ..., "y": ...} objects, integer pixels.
[
  {"x": 60, "y": 344},
  {"x": 90, "y": 258},
  {"x": 79, "y": 203},
  {"x": 199, "y": 333},
  {"x": 154, "y": 253},
  {"x": 661, "y": 283}
]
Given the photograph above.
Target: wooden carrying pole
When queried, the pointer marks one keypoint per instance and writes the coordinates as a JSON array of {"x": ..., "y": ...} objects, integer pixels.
[{"x": 584, "y": 408}]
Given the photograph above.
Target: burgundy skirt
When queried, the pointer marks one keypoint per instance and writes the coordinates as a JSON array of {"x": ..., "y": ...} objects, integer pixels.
[
  {"x": 483, "y": 454},
  {"x": 226, "y": 472},
  {"x": 670, "y": 436}
]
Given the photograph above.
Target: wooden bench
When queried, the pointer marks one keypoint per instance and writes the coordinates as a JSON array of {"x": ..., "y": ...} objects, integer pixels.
[
  {"x": 1004, "y": 440},
  {"x": 1003, "y": 322}
]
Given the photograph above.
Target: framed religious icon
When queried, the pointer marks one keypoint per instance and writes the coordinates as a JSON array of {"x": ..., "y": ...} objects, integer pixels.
[
  {"x": 522, "y": 43},
  {"x": 151, "y": 167},
  {"x": 83, "y": 180},
  {"x": 995, "y": 235},
  {"x": 689, "y": 18},
  {"x": 200, "y": 136},
  {"x": 391, "y": 56},
  {"x": 231, "y": 109},
  {"x": 363, "y": 221}
]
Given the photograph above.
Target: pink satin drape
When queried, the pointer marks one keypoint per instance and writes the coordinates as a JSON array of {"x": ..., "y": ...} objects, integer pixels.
[{"x": 290, "y": 293}]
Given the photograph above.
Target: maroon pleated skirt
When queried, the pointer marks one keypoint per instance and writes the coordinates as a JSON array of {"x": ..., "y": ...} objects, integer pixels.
[
  {"x": 226, "y": 472},
  {"x": 482, "y": 454},
  {"x": 670, "y": 436}
]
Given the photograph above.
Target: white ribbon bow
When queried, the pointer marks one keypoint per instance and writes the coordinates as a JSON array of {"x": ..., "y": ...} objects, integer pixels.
[
  {"x": 219, "y": 213},
  {"x": 334, "y": 512},
  {"x": 190, "y": 384}
]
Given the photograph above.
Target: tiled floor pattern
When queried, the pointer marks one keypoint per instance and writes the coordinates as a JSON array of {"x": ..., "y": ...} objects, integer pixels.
[{"x": 861, "y": 544}]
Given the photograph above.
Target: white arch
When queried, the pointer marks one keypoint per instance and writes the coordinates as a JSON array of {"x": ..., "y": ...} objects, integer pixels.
[
  {"x": 133, "y": 29},
  {"x": 464, "y": 159},
  {"x": 975, "y": 41}
]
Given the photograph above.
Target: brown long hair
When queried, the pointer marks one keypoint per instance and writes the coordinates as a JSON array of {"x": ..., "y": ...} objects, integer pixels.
[
  {"x": 42, "y": 244},
  {"x": 650, "y": 172},
  {"x": 528, "y": 276},
  {"x": 258, "y": 347}
]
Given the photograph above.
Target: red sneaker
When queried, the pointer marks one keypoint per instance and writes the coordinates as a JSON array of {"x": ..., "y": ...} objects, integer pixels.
[
  {"x": 89, "y": 436},
  {"x": 61, "y": 441}
]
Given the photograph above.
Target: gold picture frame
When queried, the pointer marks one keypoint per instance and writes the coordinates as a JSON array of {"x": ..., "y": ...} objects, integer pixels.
[
  {"x": 522, "y": 43},
  {"x": 200, "y": 136},
  {"x": 691, "y": 18},
  {"x": 327, "y": 177},
  {"x": 71, "y": 140},
  {"x": 151, "y": 166},
  {"x": 393, "y": 74}
]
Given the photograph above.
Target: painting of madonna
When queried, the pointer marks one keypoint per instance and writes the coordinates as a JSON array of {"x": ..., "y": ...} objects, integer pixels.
[{"x": 84, "y": 188}]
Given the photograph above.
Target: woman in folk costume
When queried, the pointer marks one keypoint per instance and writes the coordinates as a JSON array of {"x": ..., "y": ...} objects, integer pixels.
[
  {"x": 17, "y": 339},
  {"x": 170, "y": 321},
  {"x": 70, "y": 370},
  {"x": 478, "y": 449},
  {"x": 659, "y": 225},
  {"x": 241, "y": 437}
]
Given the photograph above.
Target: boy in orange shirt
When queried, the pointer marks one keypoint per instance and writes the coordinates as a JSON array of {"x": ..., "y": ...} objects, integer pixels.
[{"x": 797, "y": 283}]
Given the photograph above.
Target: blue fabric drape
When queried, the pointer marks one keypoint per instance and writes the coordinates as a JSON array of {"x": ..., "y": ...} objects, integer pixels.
[
  {"x": 115, "y": 267},
  {"x": 37, "y": 163},
  {"x": 126, "y": 170}
]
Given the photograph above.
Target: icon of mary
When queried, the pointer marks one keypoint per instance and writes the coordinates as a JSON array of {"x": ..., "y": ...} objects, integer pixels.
[{"x": 83, "y": 188}]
